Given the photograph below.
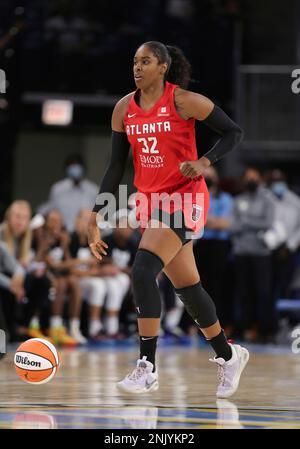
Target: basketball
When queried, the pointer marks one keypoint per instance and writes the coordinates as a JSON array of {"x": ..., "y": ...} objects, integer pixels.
[{"x": 36, "y": 361}]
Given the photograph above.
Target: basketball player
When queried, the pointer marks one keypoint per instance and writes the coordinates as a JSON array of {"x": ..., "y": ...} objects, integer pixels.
[{"x": 158, "y": 120}]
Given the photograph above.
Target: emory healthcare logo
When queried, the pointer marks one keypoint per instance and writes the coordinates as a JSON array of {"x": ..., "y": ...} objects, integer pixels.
[{"x": 2, "y": 82}]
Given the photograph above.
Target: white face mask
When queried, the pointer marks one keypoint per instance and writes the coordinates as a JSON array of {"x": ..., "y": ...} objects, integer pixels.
[
  {"x": 279, "y": 188},
  {"x": 75, "y": 171}
]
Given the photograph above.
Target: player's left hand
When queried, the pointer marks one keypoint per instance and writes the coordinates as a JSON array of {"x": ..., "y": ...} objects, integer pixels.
[{"x": 191, "y": 169}]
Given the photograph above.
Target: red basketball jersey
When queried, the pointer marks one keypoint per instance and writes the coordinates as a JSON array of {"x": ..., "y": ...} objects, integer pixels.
[{"x": 160, "y": 141}]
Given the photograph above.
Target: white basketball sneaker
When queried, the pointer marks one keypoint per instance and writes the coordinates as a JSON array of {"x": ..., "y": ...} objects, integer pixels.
[
  {"x": 141, "y": 380},
  {"x": 229, "y": 372},
  {"x": 77, "y": 335}
]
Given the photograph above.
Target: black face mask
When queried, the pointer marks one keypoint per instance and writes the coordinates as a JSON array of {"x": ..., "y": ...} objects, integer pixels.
[
  {"x": 251, "y": 186},
  {"x": 209, "y": 182}
]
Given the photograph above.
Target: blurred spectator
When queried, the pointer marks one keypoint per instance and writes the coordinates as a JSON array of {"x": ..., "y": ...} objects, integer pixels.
[
  {"x": 16, "y": 233},
  {"x": 294, "y": 287},
  {"x": 122, "y": 241},
  {"x": 55, "y": 247},
  {"x": 97, "y": 280},
  {"x": 284, "y": 237},
  {"x": 71, "y": 194},
  {"x": 253, "y": 213},
  {"x": 212, "y": 250},
  {"x": 15, "y": 230},
  {"x": 67, "y": 36},
  {"x": 122, "y": 247},
  {"x": 11, "y": 290},
  {"x": 178, "y": 16},
  {"x": 65, "y": 29}
]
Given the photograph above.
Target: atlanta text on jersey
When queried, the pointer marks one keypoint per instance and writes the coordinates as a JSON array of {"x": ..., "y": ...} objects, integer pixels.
[{"x": 148, "y": 128}]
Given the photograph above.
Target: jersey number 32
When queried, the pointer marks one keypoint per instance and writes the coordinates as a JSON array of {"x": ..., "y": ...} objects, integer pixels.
[{"x": 149, "y": 145}]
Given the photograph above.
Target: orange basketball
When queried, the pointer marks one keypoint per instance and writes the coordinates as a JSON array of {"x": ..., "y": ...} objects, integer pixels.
[{"x": 36, "y": 361}]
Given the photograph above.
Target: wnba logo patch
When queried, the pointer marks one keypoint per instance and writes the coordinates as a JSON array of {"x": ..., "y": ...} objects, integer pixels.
[{"x": 196, "y": 212}]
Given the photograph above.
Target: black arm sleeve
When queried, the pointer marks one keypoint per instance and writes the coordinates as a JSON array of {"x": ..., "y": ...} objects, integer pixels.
[
  {"x": 116, "y": 166},
  {"x": 231, "y": 133}
]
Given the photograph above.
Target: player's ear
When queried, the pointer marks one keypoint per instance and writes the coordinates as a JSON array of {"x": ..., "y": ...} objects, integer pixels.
[{"x": 163, "y": 68}]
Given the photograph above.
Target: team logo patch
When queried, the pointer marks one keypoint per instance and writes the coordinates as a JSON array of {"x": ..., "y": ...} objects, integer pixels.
[
  {"x": 163, "y": 111},
  {"x": 196, "y": 212}
]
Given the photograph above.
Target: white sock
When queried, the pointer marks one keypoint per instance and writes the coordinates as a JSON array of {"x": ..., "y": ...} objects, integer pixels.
[
  {"x": 112, "y": 325},
  {"x": 56, "y": 321},
  {"x": 34, "y": 322},
  {"x": 95, "y": 327},
  {"x": 74, "y": 325}
]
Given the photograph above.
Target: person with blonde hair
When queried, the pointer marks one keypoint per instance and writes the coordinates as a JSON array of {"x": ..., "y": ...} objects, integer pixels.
[
  {"x": 11, "y": 291},
  {"x": 16, "y": 234},
  {"x": 15, "y": 230}
]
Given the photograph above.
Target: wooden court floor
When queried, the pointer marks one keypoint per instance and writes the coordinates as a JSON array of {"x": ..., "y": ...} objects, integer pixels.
[{"x": 83, "y": 394}]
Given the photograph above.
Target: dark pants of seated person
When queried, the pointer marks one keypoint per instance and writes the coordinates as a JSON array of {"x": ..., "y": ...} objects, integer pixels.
[
  {"x": 254, "y": 303},
  {"x": 37, "y": 293},
  {"x": 2, "y": 320},
  {"x": 11, "y": 314},
  {"x": 211, "y": 256}
]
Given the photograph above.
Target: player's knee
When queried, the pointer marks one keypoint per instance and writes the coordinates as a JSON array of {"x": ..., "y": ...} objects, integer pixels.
[
  {"x": 198, "y": 304},
  {"x": 146, "y": 267}
]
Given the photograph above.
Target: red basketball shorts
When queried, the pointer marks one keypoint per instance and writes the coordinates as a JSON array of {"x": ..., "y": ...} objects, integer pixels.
[{"x": 190, "y": 201}]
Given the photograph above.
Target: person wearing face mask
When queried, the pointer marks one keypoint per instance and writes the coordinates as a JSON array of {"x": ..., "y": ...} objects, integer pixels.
[
  {"x": 71, "y": 194},
  {"x": 253, "y": 215},
  {"x": 284, "y": 237}
]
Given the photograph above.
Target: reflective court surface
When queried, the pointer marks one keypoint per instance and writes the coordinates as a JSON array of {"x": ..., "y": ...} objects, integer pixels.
[{"x": 83, "y": 395}]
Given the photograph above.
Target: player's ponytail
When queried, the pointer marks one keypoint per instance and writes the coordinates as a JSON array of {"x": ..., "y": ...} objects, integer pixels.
[
  {"x": 179, "y": 71},
  {"x": 179, "y": 68}
]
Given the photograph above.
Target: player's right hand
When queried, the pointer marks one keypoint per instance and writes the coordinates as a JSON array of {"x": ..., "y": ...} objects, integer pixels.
[
  {"x": 94, "y": 238},
  {"x": 97, "y": 249}
]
